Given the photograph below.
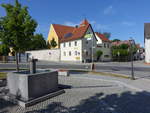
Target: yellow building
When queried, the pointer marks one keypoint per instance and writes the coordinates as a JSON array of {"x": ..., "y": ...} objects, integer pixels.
[{"x": 57, "y": 32}]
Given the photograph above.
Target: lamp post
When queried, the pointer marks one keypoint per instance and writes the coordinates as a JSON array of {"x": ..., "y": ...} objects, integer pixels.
[
  {"x": 132, "y": 42},
  {"x": 118, "y": 53},
  {"x": 92, "y": 64},
  {"x": 84, "y": 55}
]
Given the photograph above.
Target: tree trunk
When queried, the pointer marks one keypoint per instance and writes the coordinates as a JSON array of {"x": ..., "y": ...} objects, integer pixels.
[{"x": 17, "y": 64}]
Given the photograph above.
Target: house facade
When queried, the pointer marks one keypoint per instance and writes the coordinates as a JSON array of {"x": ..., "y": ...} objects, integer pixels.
[
  {"x": 79, "y": 45},
  {"x": 147, "y": 42},
  {"x": 57, "y": 32},
  {"x": 103, "y": 44}
]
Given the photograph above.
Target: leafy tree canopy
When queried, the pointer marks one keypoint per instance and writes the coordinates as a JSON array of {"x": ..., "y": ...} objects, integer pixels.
[
  {"x": 17, "y": 27},
  {"x": 115, "y": 40},
  {"x": 107, "y": 34},
  {"x": 38, "y": 42},
  {"x": 4, "y": 50},
  {"x": 53, "y": 43},
  {"x": 99, "y": 54}
]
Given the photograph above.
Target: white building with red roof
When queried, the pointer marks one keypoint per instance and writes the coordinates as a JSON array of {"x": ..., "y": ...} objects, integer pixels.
[
  {"x": 103, "y": 44},
  {"x": 79, "y": 44}
]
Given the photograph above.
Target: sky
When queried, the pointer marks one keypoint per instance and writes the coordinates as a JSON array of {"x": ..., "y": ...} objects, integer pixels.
[{"x": 122, "y": 18}]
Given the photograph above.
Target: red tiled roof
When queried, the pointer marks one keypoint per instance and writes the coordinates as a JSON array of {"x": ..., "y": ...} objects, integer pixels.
[
  {"x": 117, "y": 43},
  {"x": 61, "y": 30},
  {"x": 76, "y": 32},
  {"x": 138, "y": 46},
  {"x": 102, "y": 37}
]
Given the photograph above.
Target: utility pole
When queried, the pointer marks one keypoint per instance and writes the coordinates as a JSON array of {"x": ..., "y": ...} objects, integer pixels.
[
  {"x": 92, "y": 64},
  {"x": 132, "y": 42}
]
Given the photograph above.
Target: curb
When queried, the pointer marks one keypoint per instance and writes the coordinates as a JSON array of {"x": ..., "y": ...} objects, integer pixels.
[{"x": 116, "y": 81}]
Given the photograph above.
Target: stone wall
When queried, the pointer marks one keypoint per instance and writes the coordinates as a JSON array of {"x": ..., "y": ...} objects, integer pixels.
[
  {"x": 48, "y": 54},
  {"x": 31, "y": 86}
]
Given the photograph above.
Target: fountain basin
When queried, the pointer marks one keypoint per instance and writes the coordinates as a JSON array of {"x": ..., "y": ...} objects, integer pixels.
[{"x": 26, "y": 86}]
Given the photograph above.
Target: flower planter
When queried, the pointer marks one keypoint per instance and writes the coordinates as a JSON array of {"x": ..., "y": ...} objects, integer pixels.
[{"x": 63, "y": 72}]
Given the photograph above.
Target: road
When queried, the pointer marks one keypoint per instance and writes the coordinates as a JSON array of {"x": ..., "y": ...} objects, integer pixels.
[{"x": 140, "y": 69}]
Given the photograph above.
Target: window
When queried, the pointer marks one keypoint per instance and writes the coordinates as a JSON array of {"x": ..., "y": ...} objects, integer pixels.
[
  {"x": 107, "y": 45},
  {"x": 100, "y": 46},
  {"x": 69, "y": 53},
  {"x": 64, "y": 44},
  {"x": 106, "y": 56},
  {"x": 104, "y": 45},
  {"x": 86, "y": 42},
  {"x": 86, "y": 53},
  {"x": 76, "y": 53},
  {"x": 64, "y": 53},
  {"x": 75, "y": 43},
  {"x": 69, "y": 44}
]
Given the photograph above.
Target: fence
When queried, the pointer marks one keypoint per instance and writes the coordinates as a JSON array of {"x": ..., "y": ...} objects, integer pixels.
[{"x": 22, "y": 57}]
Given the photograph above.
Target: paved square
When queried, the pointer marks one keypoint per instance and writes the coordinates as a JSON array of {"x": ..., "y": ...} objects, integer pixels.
[{"x": 87, "y": 96}]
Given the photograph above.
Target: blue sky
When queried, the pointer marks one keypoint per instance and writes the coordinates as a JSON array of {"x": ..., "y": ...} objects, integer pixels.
[{"x": 123, "y": 18}]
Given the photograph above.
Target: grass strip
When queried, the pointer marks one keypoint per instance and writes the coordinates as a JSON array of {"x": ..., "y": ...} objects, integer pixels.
[
  {"x": 3, "y": 75},
  {"x": 110, "y": 74},
  {"x": 102, "y": 73}
]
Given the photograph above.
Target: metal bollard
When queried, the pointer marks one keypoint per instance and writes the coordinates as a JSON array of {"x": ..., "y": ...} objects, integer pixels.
[{"x": 33, "y": 66}]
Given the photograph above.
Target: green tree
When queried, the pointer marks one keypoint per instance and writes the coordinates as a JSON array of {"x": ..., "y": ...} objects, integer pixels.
[
  {"x": 115, "y": 40},
  {"x": 48, "y": 45},
  {"x": 121, "y": 52},
  {"x": 17, "y": 28},
  {"x": 107, "y": 34},
  {"x": 123, "y": 46},
  {"x": 53, "y": 43},
  {"x": 98, "y": 54},
  {"x": 38, "y": 42},
  {"x": 4, "y": 50}
]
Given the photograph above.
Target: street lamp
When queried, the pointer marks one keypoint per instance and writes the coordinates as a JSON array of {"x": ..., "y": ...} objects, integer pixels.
[
  {"x": 84, "y": 55},
  {"x": 93, "y": 46},
  {"x": 132, "y": 43},
  {"x": 118, "y": 53}
]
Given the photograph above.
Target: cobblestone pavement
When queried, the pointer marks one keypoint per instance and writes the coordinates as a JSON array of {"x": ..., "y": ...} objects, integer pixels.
[{"x": 87, "y": 96}]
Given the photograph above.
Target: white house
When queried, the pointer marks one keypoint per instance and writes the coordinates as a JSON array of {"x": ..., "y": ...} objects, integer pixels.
[
  {"x": 147, "y": 42},
  {"x": 104, "y": 45},
  {"x": 79, "y": 45}
]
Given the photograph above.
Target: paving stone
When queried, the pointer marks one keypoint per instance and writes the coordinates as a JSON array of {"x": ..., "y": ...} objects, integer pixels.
[{"x": 87, "y": 96}]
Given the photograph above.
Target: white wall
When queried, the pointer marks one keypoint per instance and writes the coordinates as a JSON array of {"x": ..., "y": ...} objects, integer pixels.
[
  {"x": 106, "y": 51},
  {"x": 99, "y": 41},
  {"x": 83, "y": 44},
  {"x": 47, "y": 55},
  {"x": 72, "y": 49},
  {"x": 147, "y": 50}
]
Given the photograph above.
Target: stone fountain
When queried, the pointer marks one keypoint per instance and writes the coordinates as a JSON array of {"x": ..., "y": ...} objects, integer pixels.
[{"x": 30, "y": 87}]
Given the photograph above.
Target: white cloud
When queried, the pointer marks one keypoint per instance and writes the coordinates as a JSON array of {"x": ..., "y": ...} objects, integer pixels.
[
  {"x": 95, "y": 25},
  {"x": 109, "y": 10},
  {"x": 93, "y": 22},
  {"x": 101, "y": 27},
  {"x": 126, "y": 23},
  {"x": 68, "y": 23}
]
